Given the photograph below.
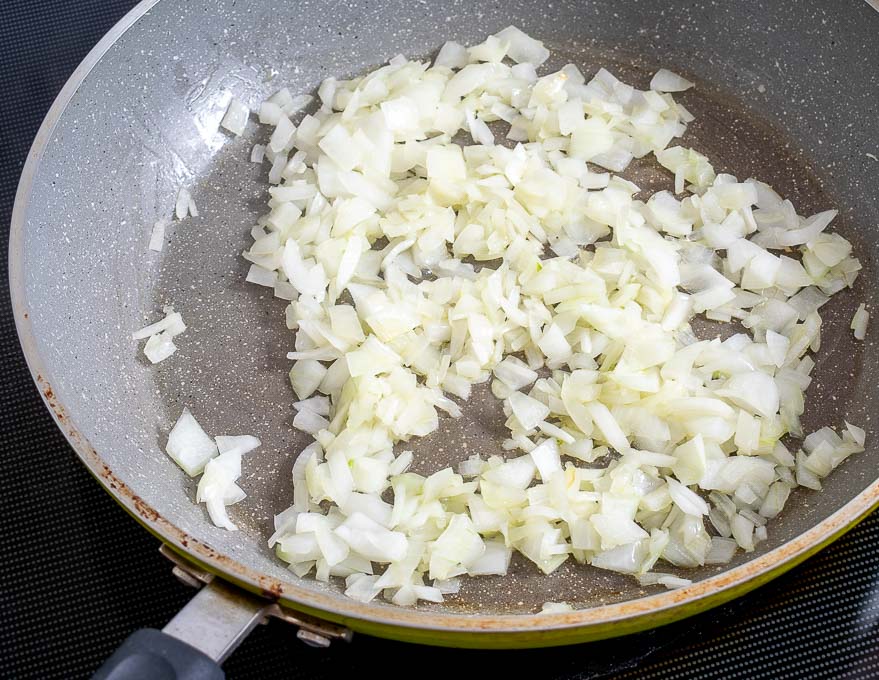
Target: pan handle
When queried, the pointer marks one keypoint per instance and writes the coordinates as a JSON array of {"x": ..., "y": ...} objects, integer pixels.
[
  {"x": 194, "y": 643},
  {"x": 150, "y": 654}
]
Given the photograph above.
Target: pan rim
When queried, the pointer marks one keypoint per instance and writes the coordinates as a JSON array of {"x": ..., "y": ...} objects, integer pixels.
[{"x": 696, "y": 597}]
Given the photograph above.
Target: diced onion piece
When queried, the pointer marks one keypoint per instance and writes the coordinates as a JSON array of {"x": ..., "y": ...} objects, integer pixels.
[
  {"x": 479, "y": 130},
  {"x": 240, "y": 444},
  {"x": 546, "y": 458},
  {"x": 189, "y": 446},
  {"x": 261, "y": 277},
  {"x": 181, "y": 207},
  {"x": 523, "y": 48},
  {"x": 754, "y": 391},
  {"x": 514, "y": 373},
  {"x": 159, "y": 347},
  {"x": 667, "y": 81},
  {"x": 495, "y": 559},
  {"x": 305, "y": 377},
  {"x": 452, "y": 55},
  {"x": 270, "y": 113},
  {"x": 687, "y": 500},
  {"x": 217, "y": 488},
  {"x": 528, "y": 411},
  {"x": 449, "y": 586},
  {"x": 670, "y": 581},
  {"x": 371, "y": 540},
  {"x": 859, "y": 322},
  {"x": 722, "y": 551},
  {"x": 157, "y": 237},
  {"x": 310, "y": 422},
  {"x": 236, "y": 116},
  {"x": 172, "y": 324},
  {"x": 282, "y": 136}
]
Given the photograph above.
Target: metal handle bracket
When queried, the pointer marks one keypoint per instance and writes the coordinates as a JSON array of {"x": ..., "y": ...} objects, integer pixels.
[{"x": 221, "y": 615}]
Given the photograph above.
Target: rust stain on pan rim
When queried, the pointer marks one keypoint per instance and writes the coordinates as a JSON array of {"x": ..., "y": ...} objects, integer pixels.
[{"x": 673, "y": 604}]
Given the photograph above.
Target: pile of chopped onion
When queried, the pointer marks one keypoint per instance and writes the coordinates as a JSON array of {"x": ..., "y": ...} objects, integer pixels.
[{"x": 417, "y": 268}]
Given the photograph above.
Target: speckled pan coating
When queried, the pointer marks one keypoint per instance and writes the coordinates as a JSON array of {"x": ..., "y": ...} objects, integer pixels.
[{"x": 786, "y": 92}]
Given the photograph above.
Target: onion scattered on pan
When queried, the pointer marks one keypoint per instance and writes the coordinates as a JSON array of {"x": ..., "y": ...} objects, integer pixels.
[
  {"x": 159, "y": 343},
  {"x": 860, "y": 321},
  {"x": 189, "y": 446},
  {"x": 668, "y": 81},
  {"x": 218, "y": 459},
  {"x": 157, "y": 236},
  {"x": 235, "y": 119},
  {"x": 257, "y": 153},
  {"x": 417, "y": 268},
  {"x": 185, "y": 206}
]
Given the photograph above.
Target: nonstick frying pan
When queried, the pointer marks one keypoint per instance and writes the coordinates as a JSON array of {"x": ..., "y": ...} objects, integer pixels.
[{"x": 786, "y": 92}]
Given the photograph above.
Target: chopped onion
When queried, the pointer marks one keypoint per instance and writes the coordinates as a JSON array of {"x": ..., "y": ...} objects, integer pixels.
[
  {"x": 261, "y": 277},
  {"x": 417, "y": 268},
  {"x": 452, "y": 55},
  {"x": 217, "y": 488},
  {"x": 172, "y": 324},
  {"x": 666, "y": 81},
  {"x": 523, "y": 48},
  {"x": 722, "y": 550},
  {"x": 157, "y": 237},
  {"x": 236, "y": 117},
  {"x": 514, "y": 373},
  {"x": 860, "y": 321},
  {"x": 159, "y": 345},
  {"x": 189, "y": 446},
  {"x": 687, "y": 500},
  {"x": 528, "y": 411},
  {"x": 546, "y": 458},
  {"x": 670, "y": 581},
  {"x": 372, "y": 540},
  {"x": 240, "y": 444},
  {"x": 181, "y": 207},
  {"x": 258, "y": 153}
]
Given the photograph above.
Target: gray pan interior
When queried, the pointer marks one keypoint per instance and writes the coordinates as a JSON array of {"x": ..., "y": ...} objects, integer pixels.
[{"x": 787, "y": 92}]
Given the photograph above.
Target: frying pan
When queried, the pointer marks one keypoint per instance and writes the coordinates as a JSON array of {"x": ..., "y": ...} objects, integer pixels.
[{"x": 785, "y": 93}]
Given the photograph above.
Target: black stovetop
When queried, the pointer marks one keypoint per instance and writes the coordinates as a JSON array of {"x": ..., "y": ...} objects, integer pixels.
[{"x": 78, "y": 575}]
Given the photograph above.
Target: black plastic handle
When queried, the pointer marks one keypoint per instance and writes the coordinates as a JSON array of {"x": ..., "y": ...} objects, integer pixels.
[{"x": 149, "y": 654}]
